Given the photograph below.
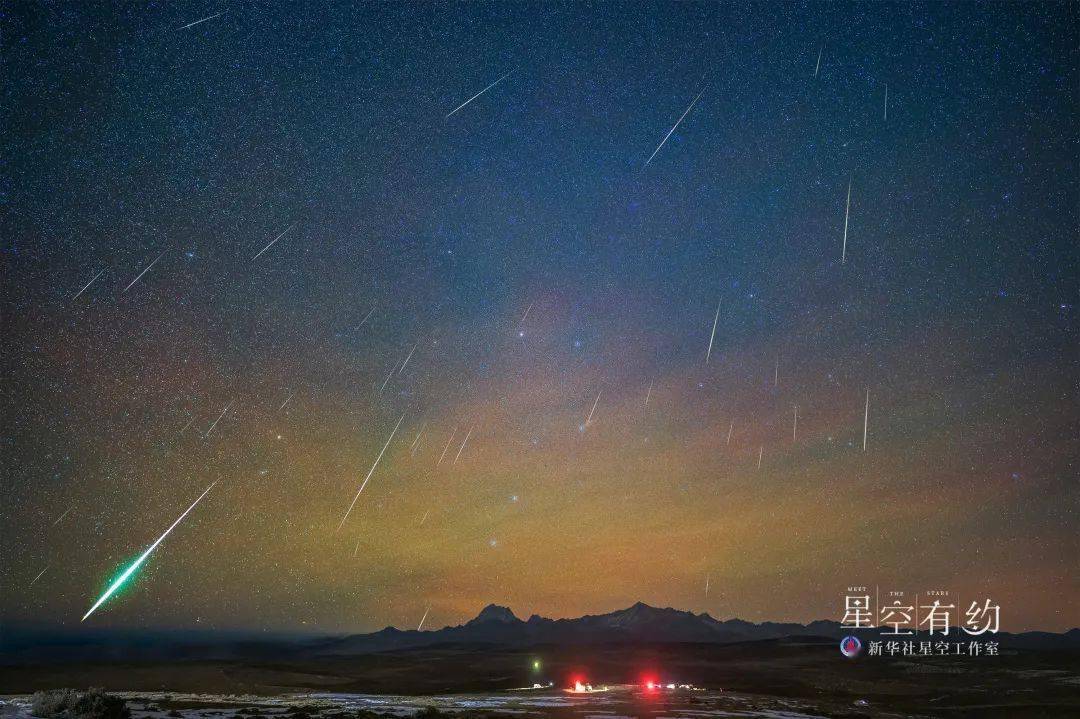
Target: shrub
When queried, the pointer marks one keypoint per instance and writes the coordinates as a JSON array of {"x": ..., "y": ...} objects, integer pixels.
[
  {"x": 70, "y": 704},
  {"x": 96, "y": 704},
  {"x": 52, "y": 702},
  {"x": 428, "y": 712}
]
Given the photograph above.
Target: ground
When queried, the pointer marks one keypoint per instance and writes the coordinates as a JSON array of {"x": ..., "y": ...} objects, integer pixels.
[{"x": 774, "y": 679}]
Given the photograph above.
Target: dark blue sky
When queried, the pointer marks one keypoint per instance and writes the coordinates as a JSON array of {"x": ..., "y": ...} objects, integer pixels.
[{"x": 129, "y": 137}]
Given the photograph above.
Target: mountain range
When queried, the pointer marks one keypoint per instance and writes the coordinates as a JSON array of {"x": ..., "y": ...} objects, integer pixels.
[
  {"x": 638, "y": 624},
  {"x": 494, "y": 627}
]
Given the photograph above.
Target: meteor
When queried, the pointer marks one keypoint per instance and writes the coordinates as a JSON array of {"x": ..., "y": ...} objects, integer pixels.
[
  {"x": 144, "y": 272},
  {"x": 760, "y": 454},
  {"x": 61, "y": 517},
  {"x": 795, "y": 425},
  {"x": 462, "y": 448},
  {"x": 588, "y": 420},
  {"x": 37, "y": 577},
  {"x": 441, "y": 456},
  {"x": 366, "y": 317},
  {"x": 142, "y": 558},
  {"x": 193, "y": 24},
  {"x": 708, "y": 352},
  {"x": 688, "y": 109},
  {"x": 184, "y": 428},
  {"x": 478, "y": 94},
  {"x": 847, "y": 214},
  {"x": 524, "y": 316},
  {"x": 421, "y": 624},
  {"x": 886, "y": 101},
  {"x": 730, "y": 429},
  {"x": 416, "y": 442},
  {"x": 409, "y": 357},
  {"x": 423, "y": 424},
  {"x": 371, "y": 471},
  {"x": 648, "y": 394},
  {"x": 866, "y": 419},
  {"x": 818, "y": 66},
  {"x": 273, "y": 241},
  {"x": 286, "y": 401},
  {"x": 218, "y": 419},
  {"x": 87, "y": 285}
]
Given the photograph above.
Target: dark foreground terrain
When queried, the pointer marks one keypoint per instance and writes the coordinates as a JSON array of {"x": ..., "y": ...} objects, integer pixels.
[{"x": 805, "y": 673}]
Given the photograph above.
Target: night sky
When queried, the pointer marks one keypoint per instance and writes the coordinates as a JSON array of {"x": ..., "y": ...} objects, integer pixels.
[{"x": 537, "y": 265}]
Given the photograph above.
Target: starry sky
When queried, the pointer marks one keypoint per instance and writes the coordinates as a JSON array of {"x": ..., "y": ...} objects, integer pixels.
[{"x": 554, "y": 293}]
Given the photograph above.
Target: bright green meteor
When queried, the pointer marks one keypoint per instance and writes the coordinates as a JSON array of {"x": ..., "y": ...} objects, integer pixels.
[{"x": 142, "y": 558}]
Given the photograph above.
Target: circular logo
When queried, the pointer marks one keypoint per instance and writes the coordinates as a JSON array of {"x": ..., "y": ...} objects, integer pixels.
[{"x": 850, "y": 646}]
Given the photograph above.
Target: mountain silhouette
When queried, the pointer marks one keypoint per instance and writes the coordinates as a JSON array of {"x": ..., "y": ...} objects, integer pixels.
[
  {"x": 494, "y": 627},
  {"x": 493, "y": 613},
  {"x": 638, "y": 624}
]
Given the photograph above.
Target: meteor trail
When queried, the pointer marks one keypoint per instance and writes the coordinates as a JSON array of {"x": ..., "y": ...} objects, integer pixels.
[
  {"x": 412, "y": 447},
  {"x": 416, "y": 443},
  {"x": 478, "y": 94},
  {"x": 776, "y": 374},
  {"x": 409, "y": 357},
  {"x": 218, "y": 419},
  {"x": 272, "y": 242},
  {"x": 886, "y": 101},
  {"x": 708, "y": 353},
  {"x": 795, "y": 426},
  {"x": 424, "y": 518},
  {"x": 588, "y": 420},
  {"x": 369, "y": 314},
  {"x": 730, "y": 429},
  {"x": 818, "y": 66},
  {"x": 847, "y": 214},
  {"x": 527, "y": 309},
  {"x": 446, "y": 447},
  {"x": 193, "y": 24},
  {"x": 184, "y": 428},
  {"x": 462, "y": 448},
  {"x": 61, "y": 517},
  {"x": 144, "y": 272},
  {"x": 370, "y": 471},
  {"x": 142, "y": 558},
  {"x": 707, "y": 577},
  {"x": 286, "y": 401},
  {"x": 37, "y": 577},
  {"x": 648, "y": 394},
  {"x": 688, "y": 109},
  {"x": 87, "y": 285},
  {"x": 760, "y": 454},
  {"x": 387, "y": 380},
  {"x": 866, "y": 419},
  {"x": 421, "y": 624}
]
